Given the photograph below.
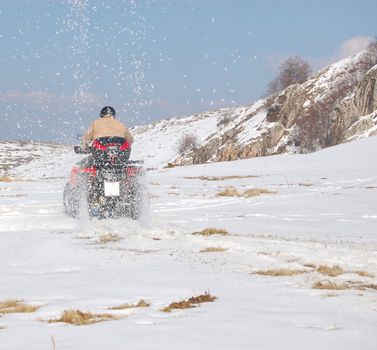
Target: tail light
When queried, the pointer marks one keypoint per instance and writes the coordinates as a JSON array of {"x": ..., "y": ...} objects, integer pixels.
[
  {"x": 132, "y": 171},
  {"x": 125, "y": 146},
  {"x": 98, "y": 145},
  {"x": 91, "y": 171}
]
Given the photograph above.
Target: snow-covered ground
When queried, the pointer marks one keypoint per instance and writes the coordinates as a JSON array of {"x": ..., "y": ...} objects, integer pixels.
[{"x": 323, "y": 212}]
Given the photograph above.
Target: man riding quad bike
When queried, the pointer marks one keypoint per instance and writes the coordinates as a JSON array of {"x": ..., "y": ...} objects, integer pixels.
[{"x": 106, "y": 183}]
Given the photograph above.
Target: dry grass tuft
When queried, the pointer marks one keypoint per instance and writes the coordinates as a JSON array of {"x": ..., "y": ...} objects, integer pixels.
[
  {"x": 178, "y": 305},
  {"x": 109, "y": 237},
  {"x": 79, "y": 318},
  {"x": 253, "y": 192},
  {"x": 329, "y": 285},
  {"x": 190, "y": 303},
  {"x": 204, "y": 298},
  {"x": 213, "y": 250},
  {"x": 364, "y": 274},
  {"x": 279, "y": 272},
  {"x": 331, "y": 271},
  {"x": 310, "y": 265},
  {"x": 17, "y": 195},
  {"x": 16, "y": 306},
  {"x": 229, "y": 192},
  {"x": 212, "y": 231},
  {"x": 369, "y": 285},
  {"x": 219, "y": 178},
  {"x": 362, "y": 286},
  {"x": 140, "y": 303},
  {"x": 6, "y": 179}
]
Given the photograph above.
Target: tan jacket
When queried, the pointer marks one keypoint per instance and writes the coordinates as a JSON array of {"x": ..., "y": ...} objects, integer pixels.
[{"x": 107, "y": 126}]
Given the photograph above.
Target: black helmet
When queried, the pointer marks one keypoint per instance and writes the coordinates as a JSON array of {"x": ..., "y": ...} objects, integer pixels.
[{"x": 107, "y": 111}]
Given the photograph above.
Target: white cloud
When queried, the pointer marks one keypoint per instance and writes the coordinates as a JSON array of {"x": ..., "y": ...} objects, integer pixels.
[
  {"x": 353, "y": 45},
  {"x": 347, "y": 48}
]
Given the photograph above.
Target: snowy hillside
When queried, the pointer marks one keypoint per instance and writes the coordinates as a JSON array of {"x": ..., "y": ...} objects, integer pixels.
[
  {"x": 339, "y": 102},
  {"x": 294, "y": 267}
]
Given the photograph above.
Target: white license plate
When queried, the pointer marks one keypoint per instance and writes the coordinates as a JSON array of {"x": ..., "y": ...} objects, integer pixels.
[{"x": 111, "y": 189}]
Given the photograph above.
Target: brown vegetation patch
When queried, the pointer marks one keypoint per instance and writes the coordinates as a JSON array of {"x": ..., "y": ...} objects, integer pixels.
[
  {"x": 331, "y": 271},
  {"x": 229, "y": 192},
  {"x": 16, "y": 306},
  {"x": 253, "y": 192},
  {"x": 17, "y": 195},
  {"x": 190, "y": 303},
  {"x": 364, "y": 274},
  {"x": 173, "y": 193},
  {"x": 140, "y": 303},
  {"x": 329, "y": 285},
  {"x": 169, "y": 166},
  {"x": 310, "y": 265},
  {"x": 109, "y": 237},
  {"x": 279, "y": 272},
  {"x": 213, "y": 250},
  {"x": 361, "y": 285},
  {"x": 219, "y": 178},
  {"x": 6, "y": 179},
  {"x": 212, "y": 231},
  {"x": 79, "y": 318}
]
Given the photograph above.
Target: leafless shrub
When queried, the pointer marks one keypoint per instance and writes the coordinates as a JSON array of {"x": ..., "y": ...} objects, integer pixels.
[
  {"x": 224, "y": 120},
  {"x": 294, "y": 70},
  {"x": 169, "y": 166},
  {"x": 187, "y": 142}
]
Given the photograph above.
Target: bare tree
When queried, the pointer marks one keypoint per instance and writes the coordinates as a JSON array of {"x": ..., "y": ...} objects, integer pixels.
[
  {"x": 294, "y": 70},
  {"x": 187, "y": 142}
]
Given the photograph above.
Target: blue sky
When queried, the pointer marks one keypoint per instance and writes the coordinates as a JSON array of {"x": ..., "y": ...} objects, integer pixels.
[{"x": 61, "y": 61}]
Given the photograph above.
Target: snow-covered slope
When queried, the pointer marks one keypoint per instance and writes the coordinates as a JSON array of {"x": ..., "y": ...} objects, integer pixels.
[{"x": 297, "y": 270}]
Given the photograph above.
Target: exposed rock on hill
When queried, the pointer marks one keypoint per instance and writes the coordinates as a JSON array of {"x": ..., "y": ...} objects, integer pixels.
[{"x": 337, "y": 105}]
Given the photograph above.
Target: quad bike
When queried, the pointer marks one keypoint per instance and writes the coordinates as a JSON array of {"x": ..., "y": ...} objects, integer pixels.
[{"x": 106, "y": 183}]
